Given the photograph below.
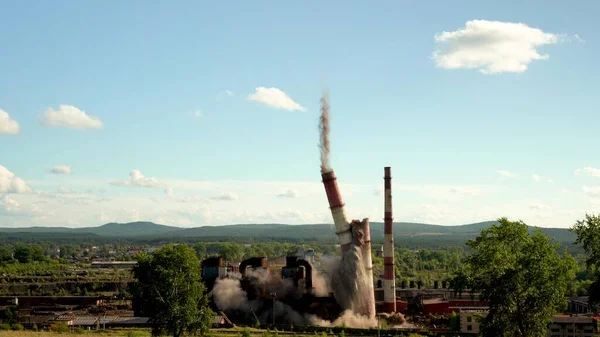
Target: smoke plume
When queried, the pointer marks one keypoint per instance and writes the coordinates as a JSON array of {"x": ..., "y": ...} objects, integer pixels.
[
  {"x": 324, "y": 130},
  {"x": 349, "y": 319},
  {"x": 251, "y": 305},
  {"x": 228, "y": 295}
]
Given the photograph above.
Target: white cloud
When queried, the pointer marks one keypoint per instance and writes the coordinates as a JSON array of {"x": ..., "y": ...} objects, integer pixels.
[
  {"x": 169, "y": 192},
  {"x": 197, "y": 113},
  {"x": 591, "y": 191},
  {"x": 10, "y": 203},
  {"x": 492, "y": 47},
  {"x": 506, "y": 173},
  {"x": 9, "y": 183},
  {"x": 578, "y": 38},
  {"x": 11, "y": 207},
  {"x": 275, "y": 98},
  {"x": 137, "y": 179},
  {"x": 592, "y": 171},
  {"x": 60, "y": 169},
  {"x": 538, "y": 178},
  {"x": 64, "y": 190},
  {"x": 70, "y": 117},
  {"x": 291, "y": 193},
  {"x": 539, "y": 207},
  {"x": 7, "y": 125},
  {"x": 224, "y": 94},
  {"x": 229, "y": 196}
]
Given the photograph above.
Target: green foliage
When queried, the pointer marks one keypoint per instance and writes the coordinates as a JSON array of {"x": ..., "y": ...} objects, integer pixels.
[
  {"x": 17, "y": 327},
  {"x": 135, "y": 333},
  {"x": 59, "y": 327},
  {"x": 171, "y": 292},
  {"x": 521, "y": 275},
  {"x": 28, "y": 253},
  {"x": 454, "y": 321},
  {"x": 342, "y": 334},
  {"x": 34, "y": 327},
  {"x": 588, "y": 235},
  {"x": 79, "y": 330},
  {"x": 4, "y": 326},
  {"x": 246, "y": 333}
]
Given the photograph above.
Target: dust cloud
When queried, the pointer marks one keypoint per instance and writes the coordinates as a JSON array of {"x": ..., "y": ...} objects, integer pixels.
[{"x": 324, "y": 131}]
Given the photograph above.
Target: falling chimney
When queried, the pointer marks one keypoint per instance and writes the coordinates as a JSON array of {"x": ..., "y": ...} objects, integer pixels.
[
  {"x": 389, "y": 282},
  {"x": 342, "y": 227}
]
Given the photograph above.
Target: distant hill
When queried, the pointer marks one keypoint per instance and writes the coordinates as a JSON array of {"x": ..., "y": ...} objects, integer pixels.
[
  {"x": 131, "y": 229},
  {"x": 139, "y": 228},
  {"x": 411, "y": 234}
]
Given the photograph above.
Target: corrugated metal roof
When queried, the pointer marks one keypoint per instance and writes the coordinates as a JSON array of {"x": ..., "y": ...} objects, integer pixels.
[
  {"x": 134, "y": 320},
  {"x": 95, "y": 320},
  {"x": 573, "y": 319}
]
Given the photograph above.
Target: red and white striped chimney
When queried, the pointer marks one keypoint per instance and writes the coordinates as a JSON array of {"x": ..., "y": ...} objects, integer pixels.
[
  {"x": 389, "y": 282},
  {"x": 342, "y": 226}
]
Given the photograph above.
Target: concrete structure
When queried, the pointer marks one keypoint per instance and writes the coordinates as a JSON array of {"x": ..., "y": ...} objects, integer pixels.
[
  {"x": 563, "y": 326},
  {"x": 342, "y": 226},
  {"x": 469, "y": 319},
  {"x": 389, "y": 282},
  {"x": 379, "y": 252},
  {"x": 368, "y": 262},
  {"x": 579, "y": 305}
]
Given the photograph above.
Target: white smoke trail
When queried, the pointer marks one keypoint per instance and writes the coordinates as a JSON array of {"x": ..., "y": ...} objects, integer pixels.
[{"x": 324, "y": 130}]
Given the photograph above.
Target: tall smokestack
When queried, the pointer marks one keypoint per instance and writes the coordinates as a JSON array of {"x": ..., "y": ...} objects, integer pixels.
[
  {"x": 342, "y": 227},
  {"x": 368, "y": 261},
  {"x": 389, "y": 281}
]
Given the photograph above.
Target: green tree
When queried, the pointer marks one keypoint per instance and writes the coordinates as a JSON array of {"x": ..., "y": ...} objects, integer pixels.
[
  {"x": 5, "y": 253},
  {"x": 170, "y": 291},
  {"x": 588, "y": 235},
  {"x": 521, "y": 275},
  {"x": 29, "y": 253}
]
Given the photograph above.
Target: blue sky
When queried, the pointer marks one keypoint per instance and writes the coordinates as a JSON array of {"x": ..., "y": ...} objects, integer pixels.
[{"x": 163, "y": 90}]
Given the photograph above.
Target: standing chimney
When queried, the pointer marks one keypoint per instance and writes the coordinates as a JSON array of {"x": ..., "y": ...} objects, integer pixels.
[
  {"x": 342, "y": 227},
  {"x": 389, "y": 282},
  {"x": 368, "y": 261}
]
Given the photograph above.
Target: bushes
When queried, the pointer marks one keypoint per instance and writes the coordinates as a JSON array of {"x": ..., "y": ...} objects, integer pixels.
[
  {"x": 59, "y": 327},
  {"x": 4, "y": 326},
  {"x": 17, "y": 327},
  {"x": 246, "y": 333}
]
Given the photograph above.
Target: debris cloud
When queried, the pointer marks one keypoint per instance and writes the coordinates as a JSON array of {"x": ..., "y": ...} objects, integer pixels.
[{"x": 324, "y": 129}]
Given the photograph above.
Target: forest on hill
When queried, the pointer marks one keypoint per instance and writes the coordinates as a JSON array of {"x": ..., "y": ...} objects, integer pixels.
[{"x": 408, "y": 235}]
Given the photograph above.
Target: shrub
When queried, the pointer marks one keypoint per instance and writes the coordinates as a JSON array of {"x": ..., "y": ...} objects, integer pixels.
[
  {"x": 134, "y": 333},
  {"x": 342, "y": 334},
  {"x": 79, "y": 330},
  {"x": 5, "y": 326},
  {"x": 17, "y": 327},
  {"x": 246, "y": 333},
  {"x": 34, "y": 327},
  {"x": 59, "y": 327}
]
